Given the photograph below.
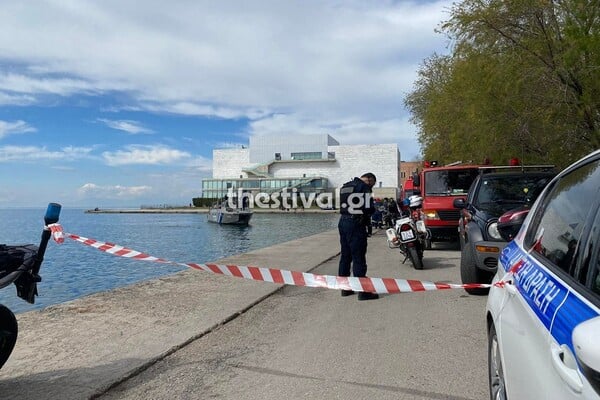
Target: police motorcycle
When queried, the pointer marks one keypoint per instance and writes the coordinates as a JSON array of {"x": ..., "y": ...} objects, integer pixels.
[
  {"x": 409, "y": 234},
  {"x": 20, "y": 264}
]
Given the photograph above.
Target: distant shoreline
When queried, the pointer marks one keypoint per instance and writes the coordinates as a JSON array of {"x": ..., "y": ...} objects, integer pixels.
[{"x": 200, "y": 210}]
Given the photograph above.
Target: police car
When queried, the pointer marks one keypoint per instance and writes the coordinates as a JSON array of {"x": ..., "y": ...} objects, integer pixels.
[{"x": 543, "y": 310}]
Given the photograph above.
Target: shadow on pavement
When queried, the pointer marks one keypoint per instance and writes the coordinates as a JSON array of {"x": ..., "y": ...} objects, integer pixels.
[
  {"x": 387, "y": 388},
  {"x": 64, "y": 384}
]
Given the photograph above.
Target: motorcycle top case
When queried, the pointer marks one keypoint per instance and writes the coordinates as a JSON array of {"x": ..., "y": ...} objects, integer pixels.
[{"x": 402, "y": 221}]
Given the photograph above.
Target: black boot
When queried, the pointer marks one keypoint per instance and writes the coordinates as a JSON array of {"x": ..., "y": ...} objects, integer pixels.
[{"x": 367, "y": 296}]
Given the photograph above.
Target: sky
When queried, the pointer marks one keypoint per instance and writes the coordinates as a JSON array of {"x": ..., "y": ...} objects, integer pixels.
[{"x": 119, "y": 103}]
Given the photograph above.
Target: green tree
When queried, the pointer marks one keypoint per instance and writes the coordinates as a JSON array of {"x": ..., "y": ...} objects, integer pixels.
[{"x": 522, "y": 80}]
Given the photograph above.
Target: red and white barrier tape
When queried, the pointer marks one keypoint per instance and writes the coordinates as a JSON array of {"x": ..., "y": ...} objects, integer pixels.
[{"x": 278, "y": 276}]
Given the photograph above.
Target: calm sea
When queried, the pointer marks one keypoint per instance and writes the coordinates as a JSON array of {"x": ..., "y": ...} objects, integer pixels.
[{"x": 72, "y": 270}]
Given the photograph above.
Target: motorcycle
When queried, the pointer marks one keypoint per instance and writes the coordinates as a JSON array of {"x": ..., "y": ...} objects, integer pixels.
[
  {"x": 409, "y": 234},
  {"x": 20, "y": 264}
]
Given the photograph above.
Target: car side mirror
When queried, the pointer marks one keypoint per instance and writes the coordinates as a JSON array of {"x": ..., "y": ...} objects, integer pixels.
[
  {"x": 510, "y": 223},
  {"x": 587, "y": 350},
  {"x": 459, "y": 203}
]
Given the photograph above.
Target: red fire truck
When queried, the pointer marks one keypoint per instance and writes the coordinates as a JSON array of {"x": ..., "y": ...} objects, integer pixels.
[
  {"x": 408, "y": 188},
  {"x": 439, "y": 186}
]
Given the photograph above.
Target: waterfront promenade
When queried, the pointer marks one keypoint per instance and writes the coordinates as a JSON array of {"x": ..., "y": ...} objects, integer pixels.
[
  {"x": 78, "y": 349},
  {"x": 196, "y": 335}
]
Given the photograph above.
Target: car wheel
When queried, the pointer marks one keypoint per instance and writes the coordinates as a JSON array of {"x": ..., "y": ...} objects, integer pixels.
[
  {"x": 469, "y": 273},
  {"x": 495, "y": 370}
]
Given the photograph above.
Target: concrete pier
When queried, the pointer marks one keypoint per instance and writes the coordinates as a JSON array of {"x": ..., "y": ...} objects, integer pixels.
[{"x": 81, "y": 348}]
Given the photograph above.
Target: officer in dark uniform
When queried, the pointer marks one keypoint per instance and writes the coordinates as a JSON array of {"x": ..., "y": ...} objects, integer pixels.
[{"x": 356, "y": 208}]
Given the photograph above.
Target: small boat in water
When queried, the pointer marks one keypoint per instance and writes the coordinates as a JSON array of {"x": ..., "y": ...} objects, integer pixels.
[{"x": 221, "y": 214}]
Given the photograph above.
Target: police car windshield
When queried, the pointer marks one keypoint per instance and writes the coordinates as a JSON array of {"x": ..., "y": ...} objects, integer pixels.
[{"x": 449, "y": 182}]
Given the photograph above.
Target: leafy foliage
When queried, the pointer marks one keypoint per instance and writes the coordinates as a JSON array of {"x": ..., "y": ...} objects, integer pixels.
[{"x": 523, "y": 79}]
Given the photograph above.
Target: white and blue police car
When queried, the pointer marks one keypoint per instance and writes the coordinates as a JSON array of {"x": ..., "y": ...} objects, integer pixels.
[{"x": 543, "y": 310}]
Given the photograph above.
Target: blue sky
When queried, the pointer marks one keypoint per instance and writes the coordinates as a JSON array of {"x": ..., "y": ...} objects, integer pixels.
[{"x": 120, "y": 103}]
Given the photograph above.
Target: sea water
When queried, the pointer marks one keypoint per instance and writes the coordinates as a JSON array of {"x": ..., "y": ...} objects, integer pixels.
[{"x": 73, "y": 270}]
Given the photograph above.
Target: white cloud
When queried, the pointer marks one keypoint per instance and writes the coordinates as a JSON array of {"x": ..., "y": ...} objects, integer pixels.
[
  {"x": 35, "y": 153},
  {"x": 190, "y": 108},
  {"x": 337, "y": 67},
  {"x": 91, "y": 190},
  {"x": 9, "y": 128},
  {"x": 346, "y": 131},
  {"x": 226, "y": 59},
  {"x": 7, "y": 99},
  {"x": 132, "y": 127},
  {"x": 45, "y": 85},
  {"x": 153, "y": 155}
]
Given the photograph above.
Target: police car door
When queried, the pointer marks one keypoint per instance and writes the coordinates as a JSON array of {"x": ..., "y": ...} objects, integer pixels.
[
  {"x": 523, "y": 324},
  {"x": 563, "y": 238},
  {"x": 579, "y": 272}
]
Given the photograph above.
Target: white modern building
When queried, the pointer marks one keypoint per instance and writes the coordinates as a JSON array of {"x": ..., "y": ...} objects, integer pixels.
[{"x": 308, "y": 163}]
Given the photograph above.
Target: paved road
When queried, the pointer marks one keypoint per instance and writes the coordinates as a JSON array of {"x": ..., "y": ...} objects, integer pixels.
[{"x": 302, "y": 343}]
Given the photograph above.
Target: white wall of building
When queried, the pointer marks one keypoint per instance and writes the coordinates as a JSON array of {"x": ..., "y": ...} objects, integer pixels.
[
  {"x": 350, "y": 160},
  {"x": 264, "y": 147},
  {"x": 354, "y": 160},
  {"x": 228, "y": 163}
]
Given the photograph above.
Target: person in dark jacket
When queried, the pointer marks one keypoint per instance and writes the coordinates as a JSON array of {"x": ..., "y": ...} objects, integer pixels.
[
  {"x": 377, "y": 217},
  {"x": 356, "y": 208}
]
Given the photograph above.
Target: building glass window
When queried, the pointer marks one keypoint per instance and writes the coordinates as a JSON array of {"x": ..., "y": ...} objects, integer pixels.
[
  {"x": 248, "y": 184},
  {"x": 310, "y": 155},
  {"x": 217, "y": 188}
]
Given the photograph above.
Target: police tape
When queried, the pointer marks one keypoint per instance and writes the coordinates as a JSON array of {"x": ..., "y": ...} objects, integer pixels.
[{"x": 277, "y": 276}]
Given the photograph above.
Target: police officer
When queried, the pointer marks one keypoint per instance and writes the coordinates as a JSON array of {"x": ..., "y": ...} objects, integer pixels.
[{"x": 356, "y": 208}]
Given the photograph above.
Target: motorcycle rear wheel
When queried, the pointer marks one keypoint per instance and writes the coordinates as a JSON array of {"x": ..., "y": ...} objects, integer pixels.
[
  {"x": 415, "y": 258},
  {"x": 8, "y": 333}
]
